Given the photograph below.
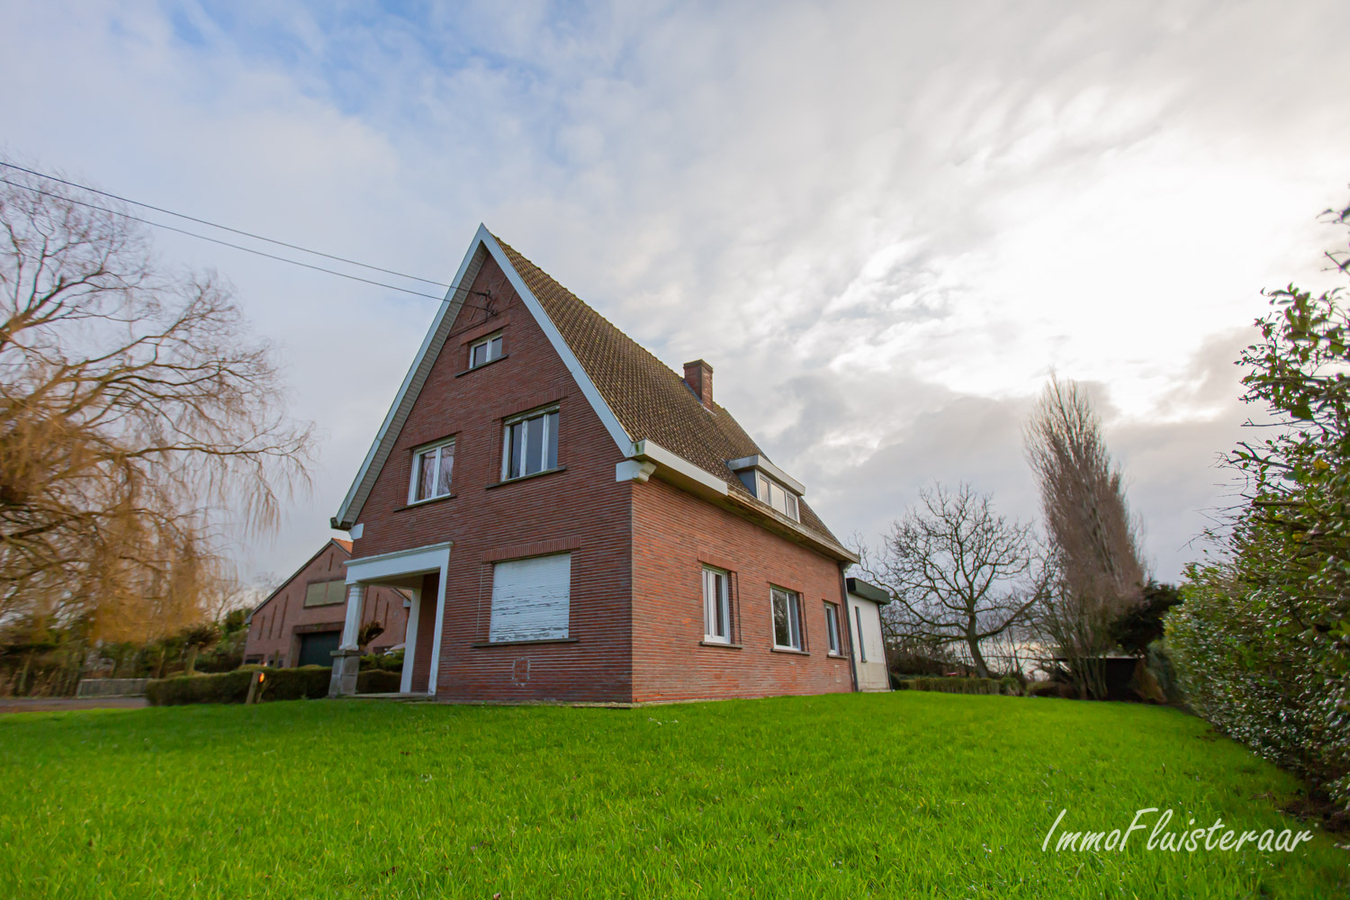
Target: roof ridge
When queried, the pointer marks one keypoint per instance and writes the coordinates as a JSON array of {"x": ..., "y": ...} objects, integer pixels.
[
  {"x": 650, "y": 400},
  {"x": 601, "y": 316}
]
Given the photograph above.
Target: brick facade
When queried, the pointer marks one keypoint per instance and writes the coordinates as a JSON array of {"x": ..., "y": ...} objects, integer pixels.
[
  {"x": 275, "y": 630},
  {"x": 635, "y": 621}
]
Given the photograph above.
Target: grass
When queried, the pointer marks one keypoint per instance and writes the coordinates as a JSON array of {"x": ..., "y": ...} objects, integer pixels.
[{"x": 908, "y": 794}]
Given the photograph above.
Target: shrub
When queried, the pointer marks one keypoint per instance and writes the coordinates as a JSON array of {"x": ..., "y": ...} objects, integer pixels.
[
  {"x": 232, "y": 687},
  {"x": 1060, "y": 689},
  {"x": 387, "y": 662},
  {"x": 378, "y": 681},
  {"x": 954, "y": 685}
]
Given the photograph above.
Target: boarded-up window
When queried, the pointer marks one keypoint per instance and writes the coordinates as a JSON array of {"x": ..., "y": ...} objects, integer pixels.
[
  {"x": 325, "y": 593},
  {"x": 531, "y": 599}
]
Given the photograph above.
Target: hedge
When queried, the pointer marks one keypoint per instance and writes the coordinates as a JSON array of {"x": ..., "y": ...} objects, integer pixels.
[
  {"x": 379, "y": 681},
  {"x": 953, "y": 685},
  {"x": 232, "y": 687}
]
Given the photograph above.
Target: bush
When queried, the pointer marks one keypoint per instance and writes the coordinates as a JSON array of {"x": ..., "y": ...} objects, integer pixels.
[
  {"x": 386, "y": 662},
  {"x": 1060, "y": 689},
  {"x": 954, "y": 685},
  {"x": 379, "y": 682},
  {"x": 309, "y": 682}
]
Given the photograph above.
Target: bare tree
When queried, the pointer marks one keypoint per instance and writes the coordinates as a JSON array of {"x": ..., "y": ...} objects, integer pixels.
[
  {"x": 960, "y": 573},
  {"x": 136, "y": 413},
  {"x": 1095, "y": 545}
]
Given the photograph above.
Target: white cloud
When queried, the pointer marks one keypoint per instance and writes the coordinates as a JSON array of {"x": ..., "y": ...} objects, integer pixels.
[{"x": 882, "y": 223}]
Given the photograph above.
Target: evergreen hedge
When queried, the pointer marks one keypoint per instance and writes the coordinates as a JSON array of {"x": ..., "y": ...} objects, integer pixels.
[{"x": 309, "y": 682}]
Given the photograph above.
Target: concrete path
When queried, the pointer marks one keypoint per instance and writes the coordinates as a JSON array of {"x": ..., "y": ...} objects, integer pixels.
[{"x": 54, "y": 704}]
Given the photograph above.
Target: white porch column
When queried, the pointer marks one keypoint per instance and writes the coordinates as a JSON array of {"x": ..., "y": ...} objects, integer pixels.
[
  {"x": 410, "y": 641},
  {"x": 347, "y": 657},
  {"x": 356, "y": 598}
]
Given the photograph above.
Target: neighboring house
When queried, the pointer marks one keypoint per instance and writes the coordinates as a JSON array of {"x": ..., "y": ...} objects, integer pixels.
[
  {"x": 575, "y": 521},
  {"x": 300, "y": 623},
  {"x": 869, "y": 648}
]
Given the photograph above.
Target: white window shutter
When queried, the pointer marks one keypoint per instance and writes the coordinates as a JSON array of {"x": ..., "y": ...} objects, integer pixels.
[{"x": 531, "y": 599}]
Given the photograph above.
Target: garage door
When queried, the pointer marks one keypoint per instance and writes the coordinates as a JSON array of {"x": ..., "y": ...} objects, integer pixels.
[{"x": 317, "y": 649}]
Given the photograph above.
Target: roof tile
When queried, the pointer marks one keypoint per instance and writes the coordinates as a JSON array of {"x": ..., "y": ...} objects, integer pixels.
[{"x": 649, "y": 398}]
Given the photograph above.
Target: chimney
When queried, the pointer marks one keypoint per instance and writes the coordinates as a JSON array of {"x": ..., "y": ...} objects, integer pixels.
[{"x": 698, "y": 375}]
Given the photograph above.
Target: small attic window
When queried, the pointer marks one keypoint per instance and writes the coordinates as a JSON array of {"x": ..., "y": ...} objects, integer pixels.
[
  {"x": 777, "y": 496},
  {"x": 769, "y": 484},
  {"x": 485, "y": 351}
]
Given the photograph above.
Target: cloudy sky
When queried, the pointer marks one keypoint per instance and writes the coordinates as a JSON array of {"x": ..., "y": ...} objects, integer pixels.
[{"x": 884, "y": 224}]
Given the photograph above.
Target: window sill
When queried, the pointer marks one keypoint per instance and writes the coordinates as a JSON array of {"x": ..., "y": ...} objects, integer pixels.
[
  {"x": 836, "y": 656},
  {"x": 792, "y": 650},
  {"x": 497, "y": 484},
  {"x": 484, "y": 644},
  {"x": 723, "y": 644},
  {"x": 481, "y": 365},
  {"x": 427, "y": 502}
]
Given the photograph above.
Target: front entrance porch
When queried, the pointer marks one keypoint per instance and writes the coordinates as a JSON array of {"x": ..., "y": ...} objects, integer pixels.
[{"x": 422, "y": 572}]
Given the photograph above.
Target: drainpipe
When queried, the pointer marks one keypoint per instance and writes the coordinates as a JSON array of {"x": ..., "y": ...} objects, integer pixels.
[{"x": 845, "y": 627}]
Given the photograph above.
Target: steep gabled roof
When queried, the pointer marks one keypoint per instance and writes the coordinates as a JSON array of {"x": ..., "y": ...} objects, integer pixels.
[
  {"x": 649, "y": 398},
  {"x": 640, "y": 400},
  {"x": 344, "y": 546}
]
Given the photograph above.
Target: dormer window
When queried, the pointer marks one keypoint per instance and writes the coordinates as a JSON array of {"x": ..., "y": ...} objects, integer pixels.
[
  {"x": 777, "y": 496},
  {"x": 485, "y": 351},
  {"x": 770, "y": 484}
]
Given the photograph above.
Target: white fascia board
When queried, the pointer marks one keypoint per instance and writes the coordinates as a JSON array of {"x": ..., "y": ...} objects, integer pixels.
[
  {"x": 588, "y": 388},
  {"x": 450, "y": 306},
  {"x": 413, "y": 561},
  {"x": 654, "y": 452},
  {"x": 759, "y": 462}
]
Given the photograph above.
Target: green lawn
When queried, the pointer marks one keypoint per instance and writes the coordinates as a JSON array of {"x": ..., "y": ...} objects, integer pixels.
[{"x": 901, "y": 795}]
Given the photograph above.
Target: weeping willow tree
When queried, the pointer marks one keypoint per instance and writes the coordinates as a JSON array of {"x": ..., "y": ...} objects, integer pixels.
[
  {"x": 137, "y": 416},
  {"x": 1095, "y": 548}
]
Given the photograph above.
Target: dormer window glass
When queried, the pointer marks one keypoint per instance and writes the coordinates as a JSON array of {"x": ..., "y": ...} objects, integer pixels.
[
  {"x": 777, "y": 496},
  {"x": 485, "y": 351},
  {"x": 770, "y": 484}
]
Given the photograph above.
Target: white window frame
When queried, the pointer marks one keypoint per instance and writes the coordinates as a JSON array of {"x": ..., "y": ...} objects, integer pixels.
[
  {"x": 716, "y": 598},
  {"x": 796, "y": 633},
  {"x": 507, "y": 424},
  {"x": 832, "y": 634},
  {"x": 767, "y": 489},
  {"x": 488, "y": 341},
  {"x": 416, "y": 479}
]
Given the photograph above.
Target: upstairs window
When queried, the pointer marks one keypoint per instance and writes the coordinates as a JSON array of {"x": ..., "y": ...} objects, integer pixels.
[
  {"x": 777, "y": 496},
  {"x": 485, "y": 351},
  {"x": 530, "y": 444},
  {"x": 716, "y": 606},
  {"x": 832, "y": 628},
  {"x": 431, "y": 472},
  {"x": 787, "y": 619},
  {"x": 326, "y": 593}
]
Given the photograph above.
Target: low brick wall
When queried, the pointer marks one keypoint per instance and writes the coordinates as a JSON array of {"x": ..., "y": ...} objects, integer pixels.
[{"x": 111, "y": 687}]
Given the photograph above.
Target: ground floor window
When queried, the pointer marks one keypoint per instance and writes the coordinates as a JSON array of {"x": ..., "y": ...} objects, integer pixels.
[
  {"x": 862, "y": 644},
  {"x": 787, "y": 619},
  {"x": 531, "y": 599},
  {"x": 716, "y": 606},
  {"x": 832, "y": 627}
]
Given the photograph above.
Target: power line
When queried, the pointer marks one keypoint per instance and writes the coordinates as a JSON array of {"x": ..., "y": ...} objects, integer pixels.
[
  {"x": 169, "y": 212},
  {"x": 294, "y": 262}
]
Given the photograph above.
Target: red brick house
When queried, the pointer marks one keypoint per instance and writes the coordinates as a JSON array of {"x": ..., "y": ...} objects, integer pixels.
[
  {"x": 575, "y": 521},
  {"x": 300, "y": 623}
]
